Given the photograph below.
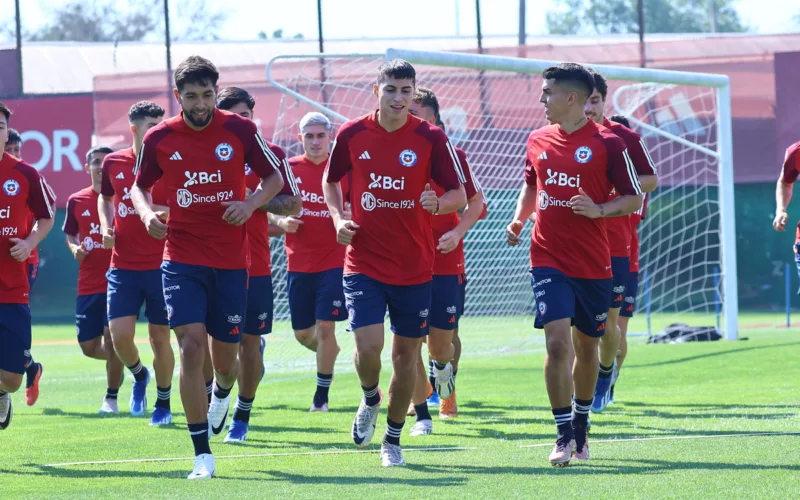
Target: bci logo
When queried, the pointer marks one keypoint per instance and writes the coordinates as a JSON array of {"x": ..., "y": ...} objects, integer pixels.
[
  {"x": 202, "y": 178},
  {"x": 386, "y": 182}
]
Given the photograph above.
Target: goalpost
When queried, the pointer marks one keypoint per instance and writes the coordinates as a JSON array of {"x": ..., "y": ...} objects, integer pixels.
[{"x": 490, "y": 105}]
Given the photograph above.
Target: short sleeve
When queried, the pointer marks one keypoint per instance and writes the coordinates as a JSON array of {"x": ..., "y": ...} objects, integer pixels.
[
  {"x": 259, "y": 155},
  {"x": 106, "y": 188},
  {"x": 339, "y": 163},
  {"x": 289, "y": 182},
  {"x": 147, "y": 170},
  {"x": 41, "y": 200},
  {"x": 620, "y": 169},
  {"x": 637, "y": 150},
  {"x": 70, "y": 226},
  {"x": 791, "y": 164},
  {"x": 530, "y": 168},
  {"x": 446, "y": 169}
]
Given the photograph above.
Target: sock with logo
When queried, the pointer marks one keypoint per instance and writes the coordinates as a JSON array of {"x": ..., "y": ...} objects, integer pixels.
[
  {"x": 163, "y": 397},
  {"x": 580, "y": 412},
  {"x": 243, "y": 407},
  {"x": 371, "y": 395},
  {"x": 393, "y": 431},
  {"x": 606, "y": 371},
  {"x": 563, "y": 418},
  {"x": 221, "y": 393},
  {"x": 324, "y": 381},
  {"x": 209, "y": 389},
  {"x": 139, "y": 372},
  {"x": 199, "y": 433},
  {"x": 111, "y": 393},
  {"x": 422, "y": 412}
]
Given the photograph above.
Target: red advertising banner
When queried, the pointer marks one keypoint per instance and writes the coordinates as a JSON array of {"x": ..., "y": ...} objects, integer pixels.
[{"x": 56, "y": 134}]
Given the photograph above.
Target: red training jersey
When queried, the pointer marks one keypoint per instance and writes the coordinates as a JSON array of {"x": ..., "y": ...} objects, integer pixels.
[
  {"x": 34, "y": 258},
  {"x": 636, "y": 217},
  {"x": 394, "y": 242},
  {"x": 558, "y": 164},
  {"x": 257, "y": 226},
  {"x": 791, "y": 169},
  {"x": 83, "y": 222},
  {"x": 201, "y": 170},
  {"x": 24, "y": 192},
  {"x": 619, "y": 228},
  {"x": 134, "y": 249},
  {"x": 452, "y": 263},
  {"x": 313, "y": 248}
]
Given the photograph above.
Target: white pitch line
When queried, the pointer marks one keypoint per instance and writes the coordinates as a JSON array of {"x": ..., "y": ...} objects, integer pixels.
[
  {"x": 255, "y": 455},
  {"x": 668, "y": 438}
]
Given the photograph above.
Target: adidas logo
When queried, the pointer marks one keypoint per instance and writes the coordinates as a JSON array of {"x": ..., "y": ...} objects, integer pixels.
[
  {"x": 176, "y": 156},
  {"x": 120, "y": 175},
  {"x": 543, "y": 156},
  {"x": 365, "y": 156},
  {"x": 86, "y": 214}
]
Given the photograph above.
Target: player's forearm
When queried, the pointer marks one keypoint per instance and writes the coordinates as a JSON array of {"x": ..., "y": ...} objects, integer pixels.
[
  {"x": 783, "y": 195},
  {"x": 452, "y": 201},
  {"x": 72, "y": 243},
  {"x": 624, "y": 205},
  {"x": 39, "y": 231},
  {"x": 471, "y": 215},
  {"x": 105, "y": 212},
  {"x": 284, "y": 204},
  {"x": 275, "y": 228},
  {"x": 334, "y": 199},
  {"x": 526, "y": 203},
  {"x": 649, "y": 183},
  {"x": 142, "y": 201},
  {"x": 267, "y": 189}
]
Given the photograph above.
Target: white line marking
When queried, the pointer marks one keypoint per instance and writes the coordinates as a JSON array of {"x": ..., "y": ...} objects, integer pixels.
[
  {"x": 667, "y": 438},
  {"x": 255, "y": 455}
]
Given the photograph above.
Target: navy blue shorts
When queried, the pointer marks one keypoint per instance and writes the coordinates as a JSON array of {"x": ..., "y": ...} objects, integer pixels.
[
  {"x": 630, "y": 295},
  {"x": 90, "y": 316},
  {"x": 620, "y": 268},
  {"x": 447, "y": 300},
  {"x": 200, "y": 294},
  {"x": 128, "y": 290},
  {"x": 33, "y": 272},
  {"x": 258, "y": 315},
  {"x": 367, "y": 300},
  {"x": 797, "y": 260},
  {"x": 558, "y": 296},
  {"x": 316, "y": 296},
  {"x": 15, "y": 337}
]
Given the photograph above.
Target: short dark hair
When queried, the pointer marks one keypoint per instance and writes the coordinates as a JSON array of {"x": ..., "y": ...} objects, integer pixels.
[
  {"x": 600, "y": 83},
  {"x": 13, "y": 136},
  {"x": 145, "y": 109},
  {"x": 575, "y": 75},
  {"x": 197, "y": 70},
  {"x": 621, "y": 119},
  {"x": 5, "y": 111},
  {"x": 98, "y": 149},
  {"x": 399, "y": 69},
  {"x": 231, "y": 96},
  {"x": 427, "y": 99}
]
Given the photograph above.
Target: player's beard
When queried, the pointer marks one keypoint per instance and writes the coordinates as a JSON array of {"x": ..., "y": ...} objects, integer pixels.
[{"x": 199, "y": 122}]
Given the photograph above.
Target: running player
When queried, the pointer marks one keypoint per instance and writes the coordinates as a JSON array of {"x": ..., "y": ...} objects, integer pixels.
[
  {"x": 35, "y": 370},
  {"x": 315, "y": 259},
  {"x": 201, "y": 155},
  {"x": 567, "y": 166},
  {"x": 448, "y": 288},
  {"x": 619, "y": 237},
  {"x": 22, "y": 192},
  {"x": 85, "y": 243},
  {"x": 258, "y": 316},
  {"x": 392, "y": 158},
  {"x": 134, "y": 277}
]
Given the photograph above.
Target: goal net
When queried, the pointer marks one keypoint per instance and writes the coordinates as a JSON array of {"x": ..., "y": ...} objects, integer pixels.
[{"x": 489, "y": 106}]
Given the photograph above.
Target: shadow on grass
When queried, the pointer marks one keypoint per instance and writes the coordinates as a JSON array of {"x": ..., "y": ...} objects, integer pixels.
[
  {"x": 706, "y": 406},
  {"x": 427, "y": 482},
  {"x": 711, "y": 355}
]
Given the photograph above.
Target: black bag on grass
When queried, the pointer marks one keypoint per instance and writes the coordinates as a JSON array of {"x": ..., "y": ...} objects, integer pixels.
[{"x": 680, "y": 332}]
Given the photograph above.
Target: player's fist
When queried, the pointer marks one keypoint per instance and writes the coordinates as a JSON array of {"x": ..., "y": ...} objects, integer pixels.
[
  {"x": 237, "y": 212},
  {"x": 779, "y": 223},
  {"x": 290, "y": 224},
  {"x": 512, "y": 233},
  {"x": 79, "y": 253},
  {"x": 108, "y": 238},
  {"x": 449, "y": 241},
  {"x": 154, "y": 223},
  {"x": 348, "y": 211},
  {"x": 429, "y": 200},
  {"x": 21, "y": 249},
  {"x": 345, "y": 230},
  {"x": 583, "y": 205}
]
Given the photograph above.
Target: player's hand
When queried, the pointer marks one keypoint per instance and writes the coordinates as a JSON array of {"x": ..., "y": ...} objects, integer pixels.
[
  {"x": 108, "y": 238},
  {"x": 512, "y": 233},
  {"x": 348, "y": 211},
  {"x": 79, "y": 253},
  {"x": 345, "y": 230},
  {"x": 449, "y": 241},
  {"x": 780, "y": 221},
  {"x": 155, "y": 224},
  {"x": 429, "y": 200},
  {"x": 532, "y": 218},
  {"x": 237, "y": 213},
  {"x": 583, "y": 205},
  {"x": 290, "y": 224},
  {"x": 21, "y": 249}
]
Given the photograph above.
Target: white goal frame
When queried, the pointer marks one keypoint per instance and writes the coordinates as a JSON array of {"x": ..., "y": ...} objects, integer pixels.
[{"x": 723, "y": 154}]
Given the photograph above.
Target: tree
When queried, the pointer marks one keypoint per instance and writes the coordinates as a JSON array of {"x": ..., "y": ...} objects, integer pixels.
[
  {"x": 661, "y": 16},
  {"x": 277, "y": 33}
]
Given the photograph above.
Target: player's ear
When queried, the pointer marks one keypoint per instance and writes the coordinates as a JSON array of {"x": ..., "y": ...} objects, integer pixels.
[
  {"x": 86, "y": 167},
  {"x": 300, "y": 137},
  {"x": 375, "y": 89},
  {"x": 177, "y": 95}
]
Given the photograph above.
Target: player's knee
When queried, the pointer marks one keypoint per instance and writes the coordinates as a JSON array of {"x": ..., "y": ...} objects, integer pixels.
[
  {"x": 90, "y": 347},
  {"x": 326, "y": 330},
  {"x": 304, "y": 336},
  {"x": 405, "y": 353},
  {"x": 10, "y": 382},
  {"x": 559, "y": 348},
  {"x": 192, "y": 349}
]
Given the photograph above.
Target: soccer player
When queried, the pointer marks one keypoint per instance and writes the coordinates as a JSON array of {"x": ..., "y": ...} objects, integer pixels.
[
  {"x": 22, "y": 192},
  {"x": 200, "y": 157},
  {"x": 134, "y": 277},
  {"x": 35, "y": 370},
  {"x": 258, "y": 316},
  {"x": 392, "y": 158},
  {"x": 568, "y": 165},
  {"x": 783, "y": 195},
  {"x": 448, "y": 287},
  {"x": 315, "y": 259},
  {"x": 619, "y": 237},
  {"x": 85, "y": 242}
]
